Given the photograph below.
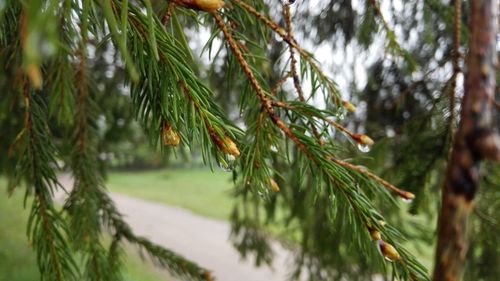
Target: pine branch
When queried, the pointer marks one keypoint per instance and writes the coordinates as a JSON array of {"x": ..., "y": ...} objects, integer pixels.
[
  {"x": 83, "y": 203},
  {"x": 318, "y": 156},
  {"x": 390, "y": 35},
  {"x": 46, "y": 228},
  {"x": 182, "y": 89},
  {"x": 329, "y": 86}
]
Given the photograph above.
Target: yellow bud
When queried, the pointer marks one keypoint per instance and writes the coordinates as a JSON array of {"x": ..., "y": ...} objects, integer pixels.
[
  {"x": 349, "y": 106},
  {"x": 389, "y": 252},
  {"x": 375, "y": 234},
  {"x": 35, "y": 75},
  {"x": 207, "y": 275},
  {"x": 274, "y": 186},
  {"x": 408, "y": 195},
  {"x": 202, "y": 5},
  {"x": 170, "y": 137},
  {"x": 230, "y": 147},
  {"x": 209, "y": 5},
  {"x": 366, "y": 140}
]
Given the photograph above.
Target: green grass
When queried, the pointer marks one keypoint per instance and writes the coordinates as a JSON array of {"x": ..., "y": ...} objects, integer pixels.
[
  {"x": 202, "y": 191},
  {"x": 18, "y": 260}
]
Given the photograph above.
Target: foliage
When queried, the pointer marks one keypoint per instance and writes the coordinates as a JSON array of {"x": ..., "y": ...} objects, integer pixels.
[{"x": 67, "y": 64}]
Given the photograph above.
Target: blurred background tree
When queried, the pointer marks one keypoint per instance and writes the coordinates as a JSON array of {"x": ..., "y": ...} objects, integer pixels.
[{"x": 118, "y": 82}]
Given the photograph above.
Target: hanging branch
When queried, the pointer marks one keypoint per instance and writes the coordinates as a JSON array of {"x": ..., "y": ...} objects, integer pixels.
[
  {"x": 329, "y": 84},
  {"x": 391, "y": 36},
  {"x": 475, "y": 141},
  {"x": 46, "y": 228},
  {"x": 265, "y": 101},
  {"x": 318, "y": 156},
  {"x": 83, "y": 203}
]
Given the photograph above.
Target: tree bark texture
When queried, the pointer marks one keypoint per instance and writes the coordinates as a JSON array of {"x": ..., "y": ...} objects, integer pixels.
[{"x": 476, "y": 139}]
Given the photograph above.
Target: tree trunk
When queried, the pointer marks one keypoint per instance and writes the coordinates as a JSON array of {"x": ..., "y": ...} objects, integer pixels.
[{"x": 476, "y": 139}]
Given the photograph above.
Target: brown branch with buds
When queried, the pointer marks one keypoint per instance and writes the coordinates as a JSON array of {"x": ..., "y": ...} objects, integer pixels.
[{"x": 267, "y": 105}]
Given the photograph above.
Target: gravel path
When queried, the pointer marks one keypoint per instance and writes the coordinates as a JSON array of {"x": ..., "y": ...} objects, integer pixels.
[{"x": 197, "y": 238}]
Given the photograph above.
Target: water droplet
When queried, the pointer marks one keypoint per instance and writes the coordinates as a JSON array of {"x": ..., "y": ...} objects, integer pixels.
[
  {"x": 226, "y": 168},
  {"x": 230, "y": 158},
  {"x": 228, "y": 165},
  {"x": 379, "y": 246},
  {"x": 363, "y": 148},
  {"x": 388, "y": 259},
  {"x": 407, "y": 200},
  {"x": 341, "y": 115},
  {"x": 274, "y": 148}
]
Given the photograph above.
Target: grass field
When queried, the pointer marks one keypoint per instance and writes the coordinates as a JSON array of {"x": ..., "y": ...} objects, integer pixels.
[
  {"x": 202, "y": 191},
  {"x": 17, "y": 259}
]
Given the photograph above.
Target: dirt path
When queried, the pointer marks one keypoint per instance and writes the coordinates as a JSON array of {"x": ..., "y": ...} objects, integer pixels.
[
  {"x": 197, "y": 238},
  {"x": 200, "y": 239}
]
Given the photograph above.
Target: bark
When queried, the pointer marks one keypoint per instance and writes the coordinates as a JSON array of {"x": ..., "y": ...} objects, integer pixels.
[{"x": 475, "y": 140}]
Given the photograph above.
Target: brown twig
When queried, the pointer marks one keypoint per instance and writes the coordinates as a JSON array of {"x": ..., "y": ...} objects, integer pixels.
[
  {"x": 224, "y": 143},
  {"x": 293, "y": 68},
  {"x": 293, "y": 62},
  {"x": 267, "y": 105},
  {"x": 284, "y": 35},
  {"x": 168, "y": 13},
  {"x": 403, "y": 194},
  {"x": 264, "y": 99},
  {"x": 359, "y": 138}
]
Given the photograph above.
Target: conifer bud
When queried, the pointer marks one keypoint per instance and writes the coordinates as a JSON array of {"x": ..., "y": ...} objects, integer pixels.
[
  {"x": 169, "y": 136},
  {"x": 363, "y": 140},
  {"x": 375, "y": 234},
  {"x": 207, "y": 275},
  {"x": 274, "y": 186},
  {"x": 201, "y": 5},
  {"x": 349, "y": 106},
  {"x": 388, "y": 251},
  {"x": 408, "y": 196},
  {"x": 35, "y": 75},
  {"x": 366, "y": 140},
  {"x": 230, "y": 147}
]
